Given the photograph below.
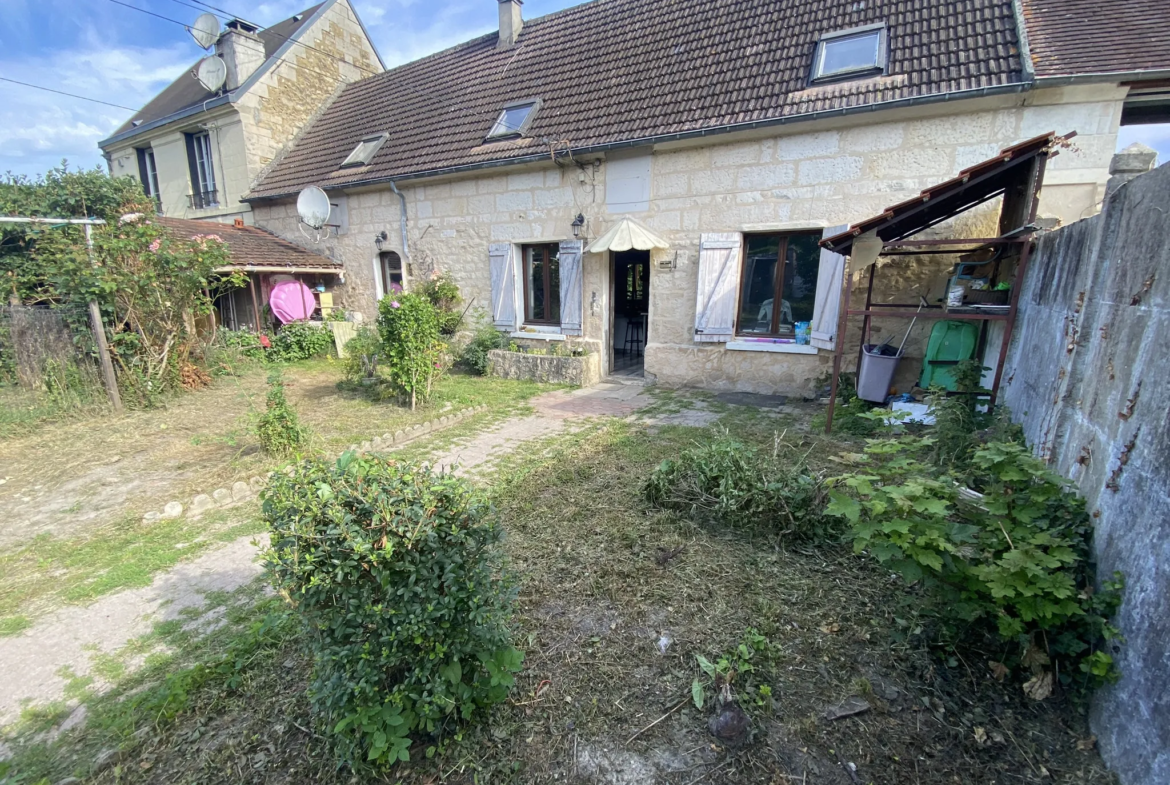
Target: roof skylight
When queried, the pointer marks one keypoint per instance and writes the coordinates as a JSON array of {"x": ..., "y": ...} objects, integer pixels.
[
  {"x": 364, "y": 152},
  {"x": 853, "y": 52},
  {"x": 514, "y": 119}
]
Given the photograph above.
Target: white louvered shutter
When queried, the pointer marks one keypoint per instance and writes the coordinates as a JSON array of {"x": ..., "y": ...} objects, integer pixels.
[
  {"x": 503, "y": 273},
  {"x": 718, "y": 290},
  {"x": 570, "y": 271},
  {"x": 827, "y": 310},
  {"x": 378, "y": 293}
]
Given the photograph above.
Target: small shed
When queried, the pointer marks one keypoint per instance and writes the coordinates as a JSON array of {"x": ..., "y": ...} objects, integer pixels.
[{"x": 1016, "y": 174}]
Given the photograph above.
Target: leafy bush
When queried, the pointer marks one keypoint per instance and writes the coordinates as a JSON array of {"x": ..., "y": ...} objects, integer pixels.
[
  {"x": 393, "y": 569},
  {"x": 474, "y": 356},
  {"x": 412, "y": 353},
  {"x": 362, "y": 353},
  {"x": 729, "y": 482},
  {"x": 1014, "y": 562},
  {"x": 278, "y": 427},
  {"x": 443, "y": 293},
  {"x": 300, "y": 341},
  {"x": 850, "y": 415}
]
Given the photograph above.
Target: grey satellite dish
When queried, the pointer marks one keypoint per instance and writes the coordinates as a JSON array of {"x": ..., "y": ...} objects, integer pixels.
[
  {"x": 205, "y": 31},
  {"x": 212, "y": 73},
  {"x": 313, "y": 207}
]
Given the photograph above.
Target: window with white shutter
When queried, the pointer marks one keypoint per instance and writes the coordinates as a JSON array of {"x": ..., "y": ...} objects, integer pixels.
[
  {"x": 570, "y": 274},
  {"x": 827, "y": 311},
  {"x": 715, "y": 298},
  {"x": 502, "y": 267}
]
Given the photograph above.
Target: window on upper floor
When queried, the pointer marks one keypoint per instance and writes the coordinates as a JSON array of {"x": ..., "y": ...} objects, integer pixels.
[
  {"x": 364, "y": 152},
  {"x": 148, "y": 176},
  {"x": 851, "y": 53},
  {"x": 515, "y": 119},
  {"x": 778, "y": 283},
  {"x": 202, "y": 166}
]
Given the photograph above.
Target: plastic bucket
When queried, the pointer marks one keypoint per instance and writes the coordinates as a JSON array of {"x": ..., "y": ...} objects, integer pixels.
[{"x": 876, "y": 373}]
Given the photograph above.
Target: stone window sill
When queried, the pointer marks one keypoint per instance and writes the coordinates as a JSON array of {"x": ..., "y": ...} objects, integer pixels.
[
  {"x": 775, "y": 348},
  {"x": 538, "y": 336}
]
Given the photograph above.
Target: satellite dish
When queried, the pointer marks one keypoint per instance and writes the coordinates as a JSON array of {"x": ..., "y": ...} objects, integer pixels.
[
  {"x": 212, "y": 73},
  {"x": 205, "y": 31},
  {"x": 313, "y": 207}
]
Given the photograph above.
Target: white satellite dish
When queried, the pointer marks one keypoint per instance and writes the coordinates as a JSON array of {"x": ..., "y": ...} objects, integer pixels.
[
  {"x": 313, "y": 207},
  {"x": 205, "y": 31},
  {"x": 212, "y": 73}
]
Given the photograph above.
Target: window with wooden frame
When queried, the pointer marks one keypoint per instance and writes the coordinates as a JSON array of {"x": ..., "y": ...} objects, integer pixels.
[
  {"x": 542, "y": 284},
  {"x": 778, "y": 283},
  {"x": 390, "y": 269}
]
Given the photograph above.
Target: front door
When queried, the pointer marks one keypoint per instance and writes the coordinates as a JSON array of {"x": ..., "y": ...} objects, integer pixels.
[{"x": 631, "y": 312}]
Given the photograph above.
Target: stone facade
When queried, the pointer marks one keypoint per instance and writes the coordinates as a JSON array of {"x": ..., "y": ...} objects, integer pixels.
[
  {"x": 582, "y": 371},
  {"x": 248, "y": 134},
  {"x": 803, "y": 176}
]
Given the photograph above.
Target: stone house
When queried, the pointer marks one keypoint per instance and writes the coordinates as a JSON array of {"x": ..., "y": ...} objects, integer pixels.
[
  {"x": 649, "y": 178},
  {"x": 199, "y": 152}
]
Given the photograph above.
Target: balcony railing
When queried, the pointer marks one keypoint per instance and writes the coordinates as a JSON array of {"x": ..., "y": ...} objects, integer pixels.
[{"x": 201, "y": 200}]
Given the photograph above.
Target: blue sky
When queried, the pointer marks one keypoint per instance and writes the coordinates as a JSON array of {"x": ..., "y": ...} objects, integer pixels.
[{"x": 109, "y": 52}]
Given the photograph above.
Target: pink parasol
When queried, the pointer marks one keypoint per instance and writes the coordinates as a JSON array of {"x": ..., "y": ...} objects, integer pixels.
[{"x": 292, "y": 301}]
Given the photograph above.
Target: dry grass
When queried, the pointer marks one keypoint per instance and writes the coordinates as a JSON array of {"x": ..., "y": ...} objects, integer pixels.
[{"x": 601, "y": 579}]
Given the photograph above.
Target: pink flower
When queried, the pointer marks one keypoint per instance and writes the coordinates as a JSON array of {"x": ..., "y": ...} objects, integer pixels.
[
  {"x": 395, "y": 304},
  {"x": 155, "y": 246}
]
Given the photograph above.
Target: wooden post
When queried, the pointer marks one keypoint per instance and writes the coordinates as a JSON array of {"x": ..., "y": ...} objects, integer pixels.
[{"x": 99, "y": 336}]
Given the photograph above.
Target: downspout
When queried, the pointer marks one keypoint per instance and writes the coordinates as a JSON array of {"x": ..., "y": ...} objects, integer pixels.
[{"x": 402, "y": 219}]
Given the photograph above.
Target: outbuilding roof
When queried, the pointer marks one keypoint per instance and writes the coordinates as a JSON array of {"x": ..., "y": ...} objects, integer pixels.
[
  {"x": 615, "y": 72},
  {"x": 254, "y": 249},
  {"x": 1084, "y": 37}
]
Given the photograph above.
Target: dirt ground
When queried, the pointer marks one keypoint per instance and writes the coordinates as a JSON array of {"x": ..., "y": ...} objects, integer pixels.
[{"x": 616, "y": 602}]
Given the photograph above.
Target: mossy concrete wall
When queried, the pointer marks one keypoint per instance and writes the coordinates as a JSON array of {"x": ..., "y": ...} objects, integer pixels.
[
  {"x": 1086, "y": 376},
  {"x": 578, "y": 371}
]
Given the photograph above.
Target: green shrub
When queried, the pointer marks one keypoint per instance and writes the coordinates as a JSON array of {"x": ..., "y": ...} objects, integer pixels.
[
  {"x": 412, "y": 353},
  {"x": 443, "y": 293},
  {"x": 300, "y": 341},
  {"x": 850, "y": 415},
  {"x": 474, "y": 356},
  {"x": 729, "y": 482},
  {"x": 362, "y": 354},
  {"x": 393, "y": 569},
  {"x": 1014, "y": 562},
  {"x": 278, "y": 427}
]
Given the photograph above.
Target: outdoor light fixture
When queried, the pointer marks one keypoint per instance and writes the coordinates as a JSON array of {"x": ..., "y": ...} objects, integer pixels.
[
  {"x": 578, "y": 223},
  {"x": 380, "y": 238}
]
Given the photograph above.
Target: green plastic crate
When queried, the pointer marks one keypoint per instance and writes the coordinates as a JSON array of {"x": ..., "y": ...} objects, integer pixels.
[{"x": 950, "y": 343}]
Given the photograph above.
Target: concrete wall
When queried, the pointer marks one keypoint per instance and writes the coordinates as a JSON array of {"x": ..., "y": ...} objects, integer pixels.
[
  {"x": 248, "y": 134},
  {"x": 804, "y": 176},
  {"x": 1086, "y": 377}
]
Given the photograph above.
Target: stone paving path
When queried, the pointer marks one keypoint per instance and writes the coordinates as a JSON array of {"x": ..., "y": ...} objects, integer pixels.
[{"x": 38, "y": 662}]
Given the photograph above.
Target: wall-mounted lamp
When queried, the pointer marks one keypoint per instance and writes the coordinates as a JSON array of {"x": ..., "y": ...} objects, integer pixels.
[
  {"x": 578, "y": 224},
  {"x": 380, "y": 239}
]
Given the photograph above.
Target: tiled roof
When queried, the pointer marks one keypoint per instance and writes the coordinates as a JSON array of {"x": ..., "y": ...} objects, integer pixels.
[
  {"x": 250, "y": 246},
  {"x": 1068, "y": 37},
  {"x": 186, "y": 91},
  {"x": 611, "y": 71}
]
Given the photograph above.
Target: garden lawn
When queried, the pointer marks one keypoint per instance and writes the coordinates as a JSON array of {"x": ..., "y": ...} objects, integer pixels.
[{"x": 616, "y": 602}]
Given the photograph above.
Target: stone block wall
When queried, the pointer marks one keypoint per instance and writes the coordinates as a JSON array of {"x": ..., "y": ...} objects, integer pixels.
[{"x": 803, "y": 176}]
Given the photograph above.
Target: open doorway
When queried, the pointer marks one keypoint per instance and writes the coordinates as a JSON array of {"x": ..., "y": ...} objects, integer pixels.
[{"x": 631, "y": 306}]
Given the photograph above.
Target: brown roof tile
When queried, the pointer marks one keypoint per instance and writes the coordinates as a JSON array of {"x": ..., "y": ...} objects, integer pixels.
[
  {"x": 251, "y": 246},
  {"x": 614, "y": 71},
  {"x": 1069, "y": 37}
]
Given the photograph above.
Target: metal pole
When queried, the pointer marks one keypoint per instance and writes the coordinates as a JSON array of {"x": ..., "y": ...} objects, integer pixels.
[
  {"x": 99, "y": 336},
  {"x": 1017, "y": 284}
]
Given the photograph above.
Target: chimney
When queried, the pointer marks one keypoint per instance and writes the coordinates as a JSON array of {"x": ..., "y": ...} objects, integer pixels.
[
  {"x": 510, "y": 23},
  {"x": 242, "y": 51},
  {"x": 1128, "y": 164}
]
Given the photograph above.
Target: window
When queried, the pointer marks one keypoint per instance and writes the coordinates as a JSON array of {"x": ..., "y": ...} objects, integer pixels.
[
  {"x": 779, "y": 283},
  {"x": 542, "y": 284},
  {"x": 203, "y": 193},
  {"x": 850, "y": 53},
  {"x": 514, "y": 119},
  {"x": 148, "y": 175},
  {"x": 364, "y": 152},
  {"x": 390, "y": 272}
]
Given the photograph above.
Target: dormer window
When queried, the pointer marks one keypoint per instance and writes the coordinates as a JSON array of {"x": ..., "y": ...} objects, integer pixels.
[
  {"x": 514, "y": 119},
  {"x": 853, "y": 53},
  {"x": 364, "y": 152}
]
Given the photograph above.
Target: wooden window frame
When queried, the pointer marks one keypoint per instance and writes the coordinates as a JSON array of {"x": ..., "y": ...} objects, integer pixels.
[
  {"x": 778, "y": 286},
  {"x": 551, "y": 250}
]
